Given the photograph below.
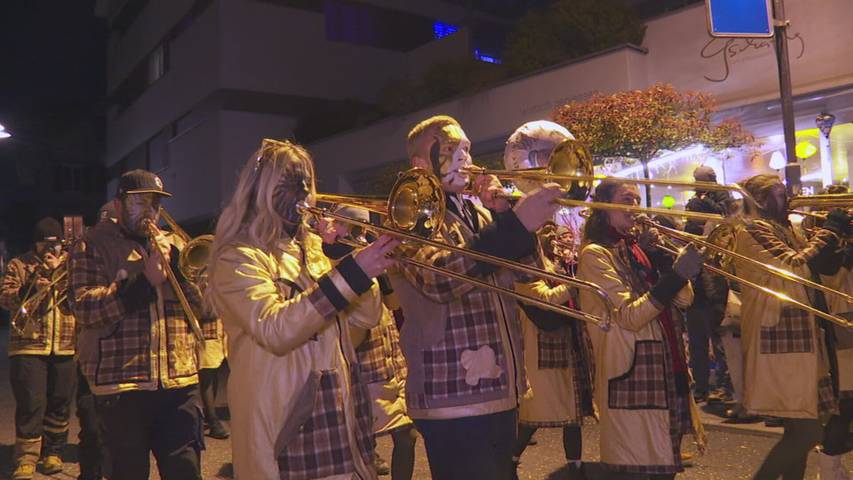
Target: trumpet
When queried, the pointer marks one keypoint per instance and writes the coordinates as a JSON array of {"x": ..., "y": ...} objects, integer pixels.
[
  {"x": 571, "y": 165},
  {"x": 415, "y": 213},
  {"x": 192, "y": 320},
  {"x": 723, "y": 237}
]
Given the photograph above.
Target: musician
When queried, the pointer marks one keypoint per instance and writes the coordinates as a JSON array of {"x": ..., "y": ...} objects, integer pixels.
[
  {"x": 135, "y": 345},
  {"x": 383, "y": 367},
  {"x": 463, "y": 344},
  {"x": 641, "y": 385},
  {"x": 558, "y": 361},
  {"x": 779, "y": 339},
  {"x": 299, "y": 408},
  {"x": 41, "y": 352}
]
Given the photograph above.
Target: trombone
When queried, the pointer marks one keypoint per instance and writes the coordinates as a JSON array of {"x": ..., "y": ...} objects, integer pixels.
[
  {"x": 33, "y": 301},
  {"x": 571, "y": 165},
  {"x": 724, "y": 234},
  {"x": 195, "y": 252},
  {"x": 152, "y": 231},
  {"x": 415, "y": 212}
]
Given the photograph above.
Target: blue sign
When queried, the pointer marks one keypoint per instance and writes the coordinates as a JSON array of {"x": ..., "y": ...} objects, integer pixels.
[{"x": 740, "y": 18}]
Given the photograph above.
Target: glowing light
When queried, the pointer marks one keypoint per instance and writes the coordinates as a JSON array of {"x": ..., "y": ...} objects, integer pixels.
[
  {"x": 4, "y": 134},
  {"x": 668, "y": 201},
  {"x": 485, "y": 58},
  {"x": 805, "y": 149},
  {"x": 777, "y": 160},
  {"x": 660, "y": 161},
  {"x": 441, "y": 29}
]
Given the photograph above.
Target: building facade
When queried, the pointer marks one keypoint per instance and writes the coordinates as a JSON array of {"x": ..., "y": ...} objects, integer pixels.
[{"x": 195, "y": 84}]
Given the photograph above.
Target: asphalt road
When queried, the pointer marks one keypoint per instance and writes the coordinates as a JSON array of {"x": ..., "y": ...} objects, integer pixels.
[{"x": 732, "y": 454}]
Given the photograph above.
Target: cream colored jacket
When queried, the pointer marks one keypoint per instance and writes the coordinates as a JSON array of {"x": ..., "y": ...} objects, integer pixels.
[
  {"x": 639, "y": 435},
  {"x": 277, "y": 338},
  {"x": 781, "y": 367}
]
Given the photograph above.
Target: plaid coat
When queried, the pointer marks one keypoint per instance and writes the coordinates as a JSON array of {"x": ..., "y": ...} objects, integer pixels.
[
  {"x": 558, "y": 364},
  {"x": 132, "y": 336},
  {"x": 379, "y": 354},
  {"x": 299, "y": 406},
  {"x": 462, "y": 344},
  {"x": 642, "y": 418},
  {"x": 777, "y": 338},
  {"x": 51, "y": 329}
]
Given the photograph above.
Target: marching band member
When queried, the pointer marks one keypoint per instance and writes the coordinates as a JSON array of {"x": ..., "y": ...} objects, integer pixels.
[
  {"x": 135, "y": 345},
  {"x": 382, "y": 364},
  {"x": 779, "y": 339},
  {"x": 299, "y": 407},
  {"x": 558, "y": 360},
  {"x": 641, "y": 385},
  {"x": 41, "y": 351},
  {"x": 463, "y": 344}
]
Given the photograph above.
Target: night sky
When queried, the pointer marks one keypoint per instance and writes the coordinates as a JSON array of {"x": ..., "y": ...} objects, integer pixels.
[{"x": 52, "y": 59}]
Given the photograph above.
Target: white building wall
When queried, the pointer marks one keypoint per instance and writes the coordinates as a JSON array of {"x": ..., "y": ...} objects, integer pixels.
[{"x": 193, "y": 75}]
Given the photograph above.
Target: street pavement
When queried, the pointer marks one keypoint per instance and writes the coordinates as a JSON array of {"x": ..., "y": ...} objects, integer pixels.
[{"x": 734, "y": 451}]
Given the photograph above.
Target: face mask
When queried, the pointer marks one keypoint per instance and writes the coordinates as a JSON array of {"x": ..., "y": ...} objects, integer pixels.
[
  {"x": 449, "y": 155},
  {"x": 291, "y": 190},
  {"x": 136, "y": 208}
]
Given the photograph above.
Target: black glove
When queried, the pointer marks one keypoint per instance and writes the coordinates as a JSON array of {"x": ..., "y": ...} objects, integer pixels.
[{"x": 838, "y": 221}]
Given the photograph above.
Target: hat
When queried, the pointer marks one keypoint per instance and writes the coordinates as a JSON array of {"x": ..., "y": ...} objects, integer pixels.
[
  {"x": 47, "y": 229},
  {"x": 140, "y": 181}
]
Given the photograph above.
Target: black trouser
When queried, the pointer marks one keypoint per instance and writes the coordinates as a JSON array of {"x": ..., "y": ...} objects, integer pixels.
[
  {"x": 787, "y": 459},
  {"x": 43, "y": 386},
  {"x": 701, "y": 335},
  {"x": 208, "y": 379},
  {"x": 837, "y": 428},
  {"x": 470, "y": 447},
  {"x": 91, "y": 446},
  {"x": 164, "y": 422},
  {"x": 572, "y": 441}
]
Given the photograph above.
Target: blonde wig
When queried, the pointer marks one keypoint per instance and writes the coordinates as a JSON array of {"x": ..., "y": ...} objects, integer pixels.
[{"x": 250, "y": 214}]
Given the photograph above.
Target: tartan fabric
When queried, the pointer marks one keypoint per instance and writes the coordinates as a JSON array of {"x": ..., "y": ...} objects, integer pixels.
[
  {"x": 793, "y": 333},
  {"x": 644, "y": 385},
  {"x": 827, "y": 402},
  {"x": 366, "y": 440},
  {"x": 398, "y": 360},
  {"x": 211, "y": 328},
  {"x": 473, "y": 319},
  {"x": 124, "y": 357},
  {"x": 322, "y": 447},
  {"x": 583, "y": 369},
  {"x": 374, "y": 356},
  {"x": 772, "y": 237},
  {"x": 466, "y": 330},
  {"x": 554, "y": 348},
  {"x": 40, "y": 326}
]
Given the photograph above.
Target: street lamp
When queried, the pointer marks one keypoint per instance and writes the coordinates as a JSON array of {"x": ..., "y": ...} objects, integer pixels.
[{"x": 4, "y": 133}]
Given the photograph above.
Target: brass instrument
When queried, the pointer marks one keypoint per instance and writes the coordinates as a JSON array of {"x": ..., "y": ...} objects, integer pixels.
[
  {"x": 192, "y": 320},
  {"x": 195, "y": 252},
  {"x": 33, "y": 301},
  {"x": 571, "y": 166},
  {"x": 720, "y": 241},
  {"x": 415, "y": 212},
  {"x": 821, "y": 202}
]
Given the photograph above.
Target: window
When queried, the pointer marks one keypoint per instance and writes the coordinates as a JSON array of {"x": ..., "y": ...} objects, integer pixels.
[{"x": 158, "y": 63}]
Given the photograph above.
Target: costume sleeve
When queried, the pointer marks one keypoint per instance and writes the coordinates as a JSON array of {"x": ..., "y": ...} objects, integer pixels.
[
  {"x": 506, "y": 238},
  {"x": 96, "y": 299},
  {"x": 245, "y": 293},
  {"x": 819, "y": 254},
  {"x": 631, "y": 312},
  {"x": 14, "y": 281}
]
